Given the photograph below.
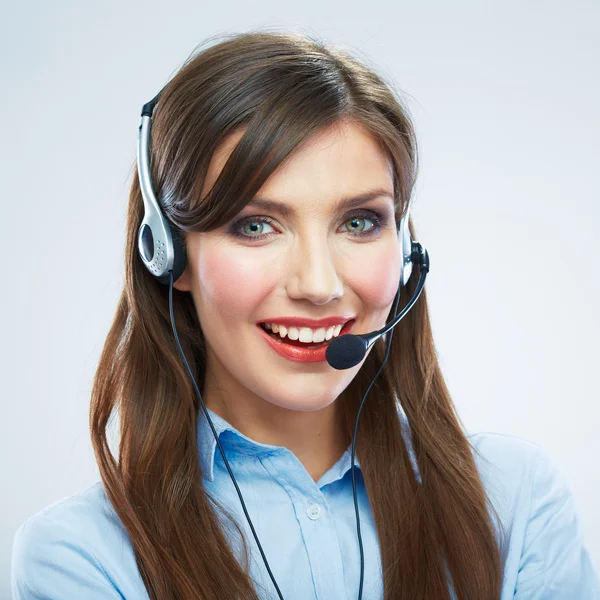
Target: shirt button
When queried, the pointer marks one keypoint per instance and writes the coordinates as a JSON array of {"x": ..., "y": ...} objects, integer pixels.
[{"x": 314, "y": 511}]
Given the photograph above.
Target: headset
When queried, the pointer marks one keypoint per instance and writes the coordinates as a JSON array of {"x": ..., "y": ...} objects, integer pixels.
[{"x": 163, "y": 253}]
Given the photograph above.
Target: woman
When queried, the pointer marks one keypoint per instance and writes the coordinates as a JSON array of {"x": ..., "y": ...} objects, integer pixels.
[{"x": 284, "y": 169}]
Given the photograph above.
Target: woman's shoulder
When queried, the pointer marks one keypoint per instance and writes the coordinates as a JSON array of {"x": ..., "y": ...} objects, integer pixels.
[
  {"x": 74, "y": 547},
  {"x": 516, "y": 473},
  {"x": 507, "y": 459},
  {"x": 519, "y": 473},
  {"x": 87, "y": 514},
  {"x": 533, "y": 497},
  {"x": 91, "y": 500}
]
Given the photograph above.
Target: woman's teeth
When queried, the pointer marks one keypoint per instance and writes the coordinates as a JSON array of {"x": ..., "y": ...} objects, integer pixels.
[{"x": 304, "y": 334}]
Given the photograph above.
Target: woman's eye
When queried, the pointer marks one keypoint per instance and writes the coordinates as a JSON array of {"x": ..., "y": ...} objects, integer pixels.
[
  {"x": 357, "y": 224},
  {"x": 257, "y": 228}
]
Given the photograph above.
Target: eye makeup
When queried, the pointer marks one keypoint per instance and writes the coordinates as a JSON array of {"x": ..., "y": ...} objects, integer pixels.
[{"x": 374, "y": 216}]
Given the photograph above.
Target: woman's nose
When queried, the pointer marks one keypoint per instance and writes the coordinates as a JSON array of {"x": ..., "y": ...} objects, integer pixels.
[{"x": 313, "y": 274}]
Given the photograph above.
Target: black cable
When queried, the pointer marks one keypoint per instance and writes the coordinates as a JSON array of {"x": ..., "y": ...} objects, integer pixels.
[{"x": 215, "y": 434}]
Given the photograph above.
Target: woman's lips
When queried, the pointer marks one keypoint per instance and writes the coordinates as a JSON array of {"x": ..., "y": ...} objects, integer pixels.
[{"x": 299, "y": 351}]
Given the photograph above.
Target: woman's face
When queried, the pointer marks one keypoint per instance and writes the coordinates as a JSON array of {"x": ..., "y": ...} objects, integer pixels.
[{"x": 313, "y": 261}]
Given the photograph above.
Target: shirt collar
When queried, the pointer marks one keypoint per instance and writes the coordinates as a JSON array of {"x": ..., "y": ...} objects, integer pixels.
[{"x": 233, "y": 442}]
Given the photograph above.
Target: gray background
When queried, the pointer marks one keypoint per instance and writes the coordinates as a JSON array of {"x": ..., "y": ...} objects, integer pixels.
[{"x": 505, "y": 98}]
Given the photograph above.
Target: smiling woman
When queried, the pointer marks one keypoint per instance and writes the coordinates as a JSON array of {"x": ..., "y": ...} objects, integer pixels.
[
  {"x": 285, "y": 169},
  {"x": 307, "y": 262}
]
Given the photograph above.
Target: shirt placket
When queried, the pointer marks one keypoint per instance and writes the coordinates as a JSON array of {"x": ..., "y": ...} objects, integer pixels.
[{"x": 318, "y": 530}]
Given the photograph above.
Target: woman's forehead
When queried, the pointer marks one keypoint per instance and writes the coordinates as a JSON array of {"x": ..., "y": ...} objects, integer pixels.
[{"x": 342, "y": 160}]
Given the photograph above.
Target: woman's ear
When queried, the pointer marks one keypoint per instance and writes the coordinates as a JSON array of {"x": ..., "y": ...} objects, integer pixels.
[{"x": 184, "y": 283}]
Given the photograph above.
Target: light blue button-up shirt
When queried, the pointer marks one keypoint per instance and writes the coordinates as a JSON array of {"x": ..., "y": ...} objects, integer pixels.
[{"x": 77, "y": 548}]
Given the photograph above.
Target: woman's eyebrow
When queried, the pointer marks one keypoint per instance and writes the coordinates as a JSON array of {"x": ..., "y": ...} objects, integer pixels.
[{"x": 343, "y": 203}]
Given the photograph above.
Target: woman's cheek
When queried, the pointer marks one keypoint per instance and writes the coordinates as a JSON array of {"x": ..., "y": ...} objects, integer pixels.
[
  {"x": 376, "y": 281},
  {"x": 233, "y": 284}
]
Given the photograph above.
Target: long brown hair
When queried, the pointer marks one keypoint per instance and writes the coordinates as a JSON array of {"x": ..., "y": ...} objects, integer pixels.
[{"x": 282, "y": 88}]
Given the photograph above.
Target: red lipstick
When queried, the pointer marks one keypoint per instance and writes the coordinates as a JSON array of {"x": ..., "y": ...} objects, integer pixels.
[
  {"x": 298, "y": 351},
  {"x": 305, "y": 322}
]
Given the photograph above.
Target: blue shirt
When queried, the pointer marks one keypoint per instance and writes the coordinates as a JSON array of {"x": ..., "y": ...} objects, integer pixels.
[{"x": 78, "y": 548}]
